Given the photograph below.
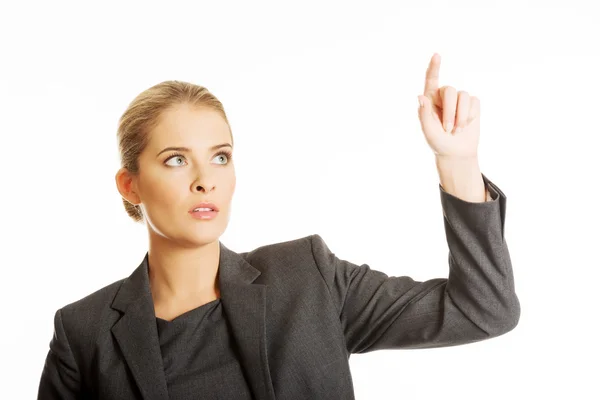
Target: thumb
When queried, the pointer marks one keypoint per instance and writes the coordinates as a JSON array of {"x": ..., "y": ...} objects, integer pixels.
[{"x": 425, "y": 113}]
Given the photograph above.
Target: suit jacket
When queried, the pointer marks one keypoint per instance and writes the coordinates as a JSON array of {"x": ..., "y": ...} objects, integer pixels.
[{"x": 297, "y": 313}]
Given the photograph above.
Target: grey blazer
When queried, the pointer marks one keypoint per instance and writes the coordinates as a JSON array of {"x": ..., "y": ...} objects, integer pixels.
[{"x": 297, "y": 313}]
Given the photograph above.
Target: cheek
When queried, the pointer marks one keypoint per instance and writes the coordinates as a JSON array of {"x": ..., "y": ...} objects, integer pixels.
[
  {"x": 164, "y": 194},
  {"x": 233, "y": 182}
]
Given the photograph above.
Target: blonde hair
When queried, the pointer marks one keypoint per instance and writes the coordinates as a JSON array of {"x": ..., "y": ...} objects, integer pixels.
[{"x": 143, "y": 114}]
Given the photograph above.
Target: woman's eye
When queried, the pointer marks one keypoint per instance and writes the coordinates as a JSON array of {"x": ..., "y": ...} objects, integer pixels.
[
  {"x": 173, "y": 158},
  {"x": 223, "y": 155},
  {"x": 179, "y": 156}
]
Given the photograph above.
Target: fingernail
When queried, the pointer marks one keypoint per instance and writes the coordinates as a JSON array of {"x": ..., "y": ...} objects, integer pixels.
[{"x": 448, "y": 126}]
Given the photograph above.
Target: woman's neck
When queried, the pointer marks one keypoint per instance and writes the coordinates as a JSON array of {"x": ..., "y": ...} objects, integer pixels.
[{"x": 183, "y": 275}]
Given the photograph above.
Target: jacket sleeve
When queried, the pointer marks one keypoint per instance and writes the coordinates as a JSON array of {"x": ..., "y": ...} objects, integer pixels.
[
  {"x": 477, "y": 301},
  {"x": 60, "y": 375}
]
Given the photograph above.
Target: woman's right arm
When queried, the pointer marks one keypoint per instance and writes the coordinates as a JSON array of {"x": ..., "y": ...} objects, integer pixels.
[{"x": 60, "y": 376}]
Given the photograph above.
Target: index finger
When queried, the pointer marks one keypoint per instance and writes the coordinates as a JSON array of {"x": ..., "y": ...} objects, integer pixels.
[{"x": 432, "y": 76}]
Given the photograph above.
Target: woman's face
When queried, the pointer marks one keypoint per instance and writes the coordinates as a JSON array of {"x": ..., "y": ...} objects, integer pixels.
[{"x": 171, "y": 182}]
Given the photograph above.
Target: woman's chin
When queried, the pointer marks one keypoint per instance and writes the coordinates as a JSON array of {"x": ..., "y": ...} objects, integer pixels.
[{"x": 203, "y": 236}]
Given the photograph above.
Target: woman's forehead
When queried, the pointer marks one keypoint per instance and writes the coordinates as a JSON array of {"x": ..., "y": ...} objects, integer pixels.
[{"x": 190, "y": 127}]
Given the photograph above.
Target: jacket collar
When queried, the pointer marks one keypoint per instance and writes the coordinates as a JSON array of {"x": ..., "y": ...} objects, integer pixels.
[{"x": 243, "y": 303}]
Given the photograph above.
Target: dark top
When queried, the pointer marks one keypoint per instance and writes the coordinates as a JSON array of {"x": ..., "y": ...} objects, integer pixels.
[{"x": 199, "y": 356}]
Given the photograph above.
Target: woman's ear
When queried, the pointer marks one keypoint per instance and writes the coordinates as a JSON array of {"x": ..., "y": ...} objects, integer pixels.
[{"x": 126, "y": 186}]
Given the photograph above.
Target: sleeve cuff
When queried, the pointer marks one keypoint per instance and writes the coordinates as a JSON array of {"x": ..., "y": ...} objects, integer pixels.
[{"x": 492, "y": 192}]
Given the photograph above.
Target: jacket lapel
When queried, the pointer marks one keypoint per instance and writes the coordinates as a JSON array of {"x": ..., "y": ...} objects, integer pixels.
[
  {"x": 243, "y": 304},
  {"x": 137, "y": 335}
]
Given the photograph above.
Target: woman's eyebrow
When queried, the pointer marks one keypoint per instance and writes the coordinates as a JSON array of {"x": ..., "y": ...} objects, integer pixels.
[{"x": 185, "y": 149}]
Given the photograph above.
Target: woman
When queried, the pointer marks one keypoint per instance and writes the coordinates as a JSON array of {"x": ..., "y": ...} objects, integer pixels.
[{"x": 279, "y": 322}]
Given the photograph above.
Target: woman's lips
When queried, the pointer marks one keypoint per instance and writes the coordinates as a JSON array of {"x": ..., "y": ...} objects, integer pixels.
[
  {"x": 205, "y": 205},
  {"x": 204, "y": 214}
]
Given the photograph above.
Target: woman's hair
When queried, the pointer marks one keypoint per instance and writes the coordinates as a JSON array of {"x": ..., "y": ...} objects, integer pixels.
[{"x": 143, "y": 114}]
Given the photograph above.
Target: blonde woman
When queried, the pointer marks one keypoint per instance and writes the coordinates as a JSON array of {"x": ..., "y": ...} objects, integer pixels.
[{"x": 196, "y": 319}]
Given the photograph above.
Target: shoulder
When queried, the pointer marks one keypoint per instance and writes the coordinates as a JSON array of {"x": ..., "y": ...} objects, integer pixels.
[
  {"x": 287, "y": 252},
  {"x": 90, "y": 302},
  {"x": 91, "y": 309},
  {"x": 291, "y": 259}
]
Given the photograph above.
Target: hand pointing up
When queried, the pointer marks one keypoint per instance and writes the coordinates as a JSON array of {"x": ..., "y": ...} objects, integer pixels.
[{"x": 449, "y": 120}]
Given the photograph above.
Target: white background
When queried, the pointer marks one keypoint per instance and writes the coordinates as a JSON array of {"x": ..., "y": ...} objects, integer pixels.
[{"x": 322, "y": 99}]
